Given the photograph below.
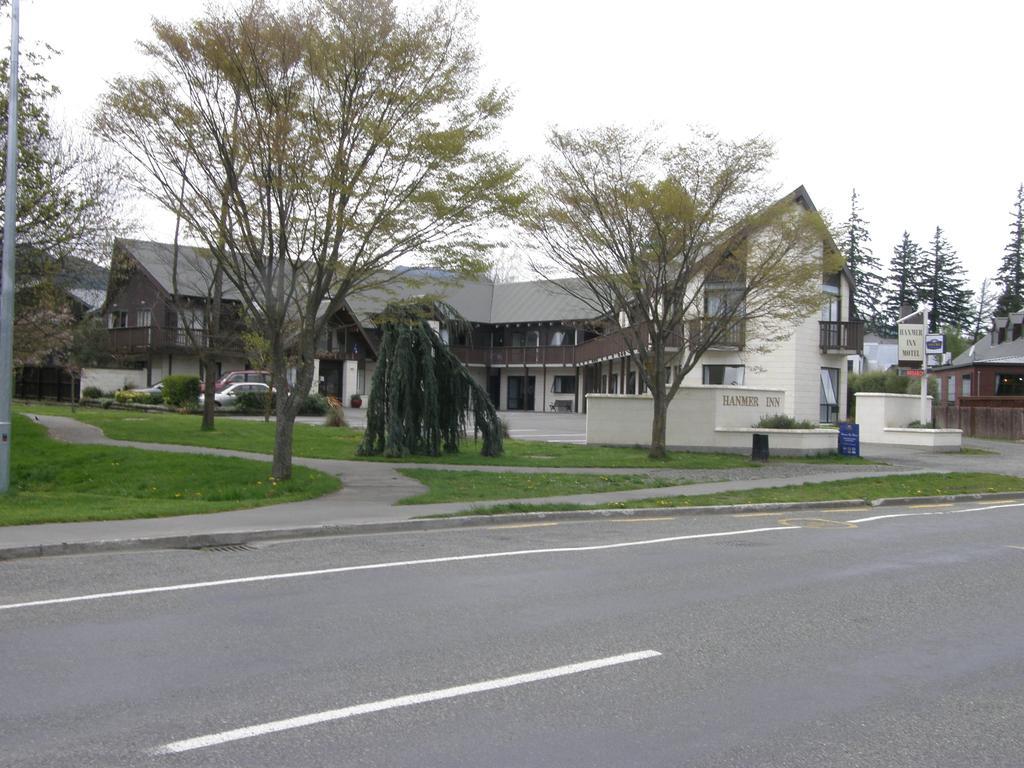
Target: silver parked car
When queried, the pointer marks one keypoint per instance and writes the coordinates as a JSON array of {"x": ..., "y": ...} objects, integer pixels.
[{"x": 228, "y": 396}]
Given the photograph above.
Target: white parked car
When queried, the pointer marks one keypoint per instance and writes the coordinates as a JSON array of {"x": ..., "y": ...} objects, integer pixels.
[{"x": 228, "y": 396}]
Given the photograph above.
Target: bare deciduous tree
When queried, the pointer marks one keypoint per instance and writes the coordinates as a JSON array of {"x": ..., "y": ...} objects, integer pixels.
[{"x": 677, "y": 247}]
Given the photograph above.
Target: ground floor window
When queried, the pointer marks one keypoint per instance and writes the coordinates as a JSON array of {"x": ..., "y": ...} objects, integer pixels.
[
  {"x": 951, "y": 389},
  {"x": 965, "y": 386},
  {"x": 829, "y": 396},
  {"x": 731, "y": 375},
  {"x": 563, "y": 385},
  {"x": 1009, "y": 385}
]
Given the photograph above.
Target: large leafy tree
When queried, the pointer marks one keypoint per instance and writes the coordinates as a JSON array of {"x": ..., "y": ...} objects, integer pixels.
[
  {"x": 944, "y": 286},
  {"x": 71, "y": 203},
  {"x": 319, "y": 145},
  {"x": 1011, "y": 270},
  {"x": 903, "y": 284},
  {"x": 854, "y": 240},
  {"x": 677, "y": 247}
]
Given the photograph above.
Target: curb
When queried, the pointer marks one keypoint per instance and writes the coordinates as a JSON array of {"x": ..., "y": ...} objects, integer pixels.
[{"x": 229, "y": 538}]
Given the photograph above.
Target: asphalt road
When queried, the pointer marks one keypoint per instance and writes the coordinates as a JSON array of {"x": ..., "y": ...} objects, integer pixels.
[{"x": 878, "y": 642}]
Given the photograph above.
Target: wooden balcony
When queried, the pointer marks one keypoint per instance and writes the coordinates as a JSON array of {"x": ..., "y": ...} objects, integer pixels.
[
  {"x": 841, "y": 337},
  {"x": 517, "y": 356},
  {"x": 607, "y": 347},
  {"x": 151, "y": 339},
  {"x": 732, "y": 337}
]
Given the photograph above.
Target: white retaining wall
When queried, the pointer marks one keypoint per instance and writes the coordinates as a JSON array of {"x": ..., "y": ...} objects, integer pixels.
[
  {"x": 703, "y": 418},
  {"x": 113, "y": 379},
  {"x": 884, "y": 417}
]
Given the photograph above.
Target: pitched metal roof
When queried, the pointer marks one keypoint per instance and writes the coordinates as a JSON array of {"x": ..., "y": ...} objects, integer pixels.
[
  {"x": 479, "y": 301},
  {"x": 195, "y": 268},
  {"x": 985, "y": 352},
  {"x": 539, "y": 301}
]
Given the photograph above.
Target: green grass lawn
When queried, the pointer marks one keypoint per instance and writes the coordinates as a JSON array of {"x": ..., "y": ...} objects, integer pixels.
[
  {"x": 55, "y": 482},
  {"x": 891, "y": 486},
  {"x": 454, "y": 485},
  {"x": 341, "y": 443}
]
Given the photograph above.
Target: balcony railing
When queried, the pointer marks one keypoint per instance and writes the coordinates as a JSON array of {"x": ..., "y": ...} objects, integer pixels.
[
  {"x": 126, "y": 341},
  {"x": 605, "y": 347},
  {"x": 732, "y": 337},
  {"x": 838, "y": 336}
]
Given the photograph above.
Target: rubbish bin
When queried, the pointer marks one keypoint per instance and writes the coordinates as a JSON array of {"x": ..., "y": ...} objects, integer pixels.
[{"x": 759, "y": 450}]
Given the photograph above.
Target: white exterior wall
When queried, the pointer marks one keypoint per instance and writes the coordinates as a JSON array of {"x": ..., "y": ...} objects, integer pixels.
[
  {"x": 188, "y": 365},
  {"x": 113, "y": 379}
]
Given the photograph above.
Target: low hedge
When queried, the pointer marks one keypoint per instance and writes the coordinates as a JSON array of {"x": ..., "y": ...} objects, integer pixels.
[
  {"x": 144, "y": 398},
  {"x": 256, "y": 403},
  {"x": 181, "y": 392},
  {"x": 782, "y": 421}
]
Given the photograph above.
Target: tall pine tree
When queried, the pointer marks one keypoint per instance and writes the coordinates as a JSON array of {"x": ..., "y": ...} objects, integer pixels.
[
  {"x": 945, "y": 288},
  {"x": 903, "y": 285},
  {"x": 1011, "y": 272},
  {"x": 854, "y": 243}
]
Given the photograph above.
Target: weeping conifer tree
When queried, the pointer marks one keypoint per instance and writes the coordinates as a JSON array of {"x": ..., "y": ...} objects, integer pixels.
[{"x": 421, "y": 394}]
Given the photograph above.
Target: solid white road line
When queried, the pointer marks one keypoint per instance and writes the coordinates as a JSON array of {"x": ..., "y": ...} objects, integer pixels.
[
  {"x": 930, "y": 514},
  {"x": 379, "y": 566},
  {"x": 250, "y": 731}
]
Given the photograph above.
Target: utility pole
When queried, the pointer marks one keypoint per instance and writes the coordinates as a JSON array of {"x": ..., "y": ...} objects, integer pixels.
[
  {"x": 7, "y": 274},
  {"x": 925, "y": 417}
]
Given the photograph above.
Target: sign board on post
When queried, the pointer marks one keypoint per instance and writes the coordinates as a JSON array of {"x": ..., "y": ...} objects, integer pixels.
[
  {"x": 911, "y": 342},
  {"x": 935, "y": 343},
  {"x": 849, "y": 439}
]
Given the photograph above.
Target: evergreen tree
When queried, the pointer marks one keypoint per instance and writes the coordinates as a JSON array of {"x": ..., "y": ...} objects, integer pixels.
[
  {"x": 944, "y": 286},
  {"x": 854, "y": 243},
  {"x": 903, "y": 285},
  {"x": 1011, "y": 271},
  {"x": 421, "y": 392}
]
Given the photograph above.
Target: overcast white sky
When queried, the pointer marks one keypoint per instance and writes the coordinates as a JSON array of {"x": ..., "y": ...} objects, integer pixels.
[{"x": 916, "y": 104}]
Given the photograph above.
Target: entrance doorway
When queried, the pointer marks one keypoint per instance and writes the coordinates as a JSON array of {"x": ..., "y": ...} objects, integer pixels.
[
  {"x": 494, "y": 389},
  {"x": 520, "y": 393}
]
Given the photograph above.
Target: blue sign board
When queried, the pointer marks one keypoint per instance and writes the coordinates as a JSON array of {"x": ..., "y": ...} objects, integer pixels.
[{"x": 849, "y": 439}]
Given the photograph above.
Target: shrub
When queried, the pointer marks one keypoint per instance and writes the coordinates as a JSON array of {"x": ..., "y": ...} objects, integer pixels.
[
  {"x": 313, "y": 405},
  {"x": 887, "y": 381},
  {"x": 92, "y": 393},
  {"x": 143, "y": 398},
  {"x": 181, "y": 391},
  {"x": 254, "y": 402},
  {"x": 782, "y": 421},
  {"x": 504, "y": 428},
  {"x": 335, "y": 417}
]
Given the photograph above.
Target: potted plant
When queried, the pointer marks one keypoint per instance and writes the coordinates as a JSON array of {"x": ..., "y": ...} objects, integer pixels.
[{"x": 356, "y": 400}]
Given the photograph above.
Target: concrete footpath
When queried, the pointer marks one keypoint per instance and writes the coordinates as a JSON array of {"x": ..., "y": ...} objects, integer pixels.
[{"x": 367, "y": 501}]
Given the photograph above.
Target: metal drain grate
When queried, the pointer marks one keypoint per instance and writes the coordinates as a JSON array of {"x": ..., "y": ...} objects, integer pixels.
[{"x": 228, "y": 548}]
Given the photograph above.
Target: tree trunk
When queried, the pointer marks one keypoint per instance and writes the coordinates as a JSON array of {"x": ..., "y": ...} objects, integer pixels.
[
  {"x": 209, "y": 390},
  {"x": 284, "y": 429},
  {"x": 660, "y": 421},
  {"x": 289, "y": 401}
]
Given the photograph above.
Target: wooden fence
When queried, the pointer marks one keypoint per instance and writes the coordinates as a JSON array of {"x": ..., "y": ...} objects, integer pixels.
[
  {"x": 1003, "y": 423},
  {"x": 45, "y": 383}
]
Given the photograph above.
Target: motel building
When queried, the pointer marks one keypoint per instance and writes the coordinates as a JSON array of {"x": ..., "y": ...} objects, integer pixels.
[{"x": 532, "y": 345}]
